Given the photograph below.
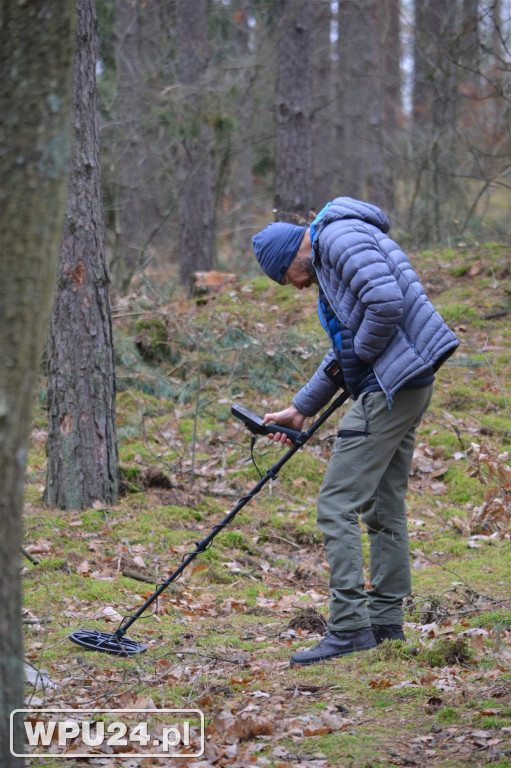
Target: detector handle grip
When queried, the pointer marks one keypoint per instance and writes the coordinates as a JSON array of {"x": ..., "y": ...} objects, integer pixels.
[{"x": 293, "y": 434}]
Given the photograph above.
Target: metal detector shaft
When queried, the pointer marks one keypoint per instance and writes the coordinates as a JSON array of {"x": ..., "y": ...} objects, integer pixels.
[{"x": 202, "y": 546}]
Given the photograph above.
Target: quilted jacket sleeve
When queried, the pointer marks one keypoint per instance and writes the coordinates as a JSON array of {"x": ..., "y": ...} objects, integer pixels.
[{"x": 318, "y": 391}]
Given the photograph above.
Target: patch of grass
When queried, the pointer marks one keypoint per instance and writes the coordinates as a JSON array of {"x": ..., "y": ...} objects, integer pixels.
[
  {"x": 133, "y": 449},
  {"x": 498, "y": 619},
  {"x": 462, "y": 488},
  {"x": 258, "y": 286},
  {"x": 235, "y": 540},
  {"x": 447, "y": 652},
  {"x": 458, "y": 270},
  {"x": 492, "y": 721},
  {"x": 448, "y": 715},
  {"x": 504, "y": 763},
  {"x": 456, "y": 312},
  {"x": 358, "y": 747}
]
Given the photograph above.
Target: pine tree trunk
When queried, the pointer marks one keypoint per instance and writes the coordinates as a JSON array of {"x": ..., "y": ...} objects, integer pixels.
[
  {"x": 129, "y": 144},
  {"x": 241, "y": 187},
  {"x": 36, "y": 50},
  {"x": 392, "y": 118},
  {"x": 294, "y": 183},
  {"x": 322, "y": 117},
  {"x": 434, "y": 86},
  {"x": 434, "y": 118},
  {"x": 360, "y": 100},
  {"x": 196, "y": 217},
  {"x": 82, "y": 447},
  {"x": 136, "y": 161}
]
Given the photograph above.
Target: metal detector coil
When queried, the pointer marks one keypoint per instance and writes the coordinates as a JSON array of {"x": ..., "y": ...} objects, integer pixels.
[
  {"x": 107, "y": 642},
  {"x": 116, "y": 642}
]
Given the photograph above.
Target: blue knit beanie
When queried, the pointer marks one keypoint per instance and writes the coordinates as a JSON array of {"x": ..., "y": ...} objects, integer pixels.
[{"x": 276, "y": 246}]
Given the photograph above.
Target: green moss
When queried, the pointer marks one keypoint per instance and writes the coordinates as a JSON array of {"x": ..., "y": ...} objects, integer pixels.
[
  {"x": 131, "y": 479},
  {"x": 496, "y": 620},
  {"x": 357, "y": 746},
  {"x": 462, "y": 488},
  {"x": 456, "y": 312},
  {"x": 492, "y": 721},
  {"x": 450, "y": 512},
  {"x": 47, "y": 564},
  {"x": 457, "y": 548},
  {"x": 448, "y": 715},
  {"x": 234, "y": 540},
  {"x": 93, "y": 519},
  {"x": 152, "y": 339},
  {"x": 133, "y": 449},
  {"x": 260, "y": 285},
  {"x": 446, "y": 652},
  {"x": 183, "y": 513},
  {"x": 459, "y": 270}
]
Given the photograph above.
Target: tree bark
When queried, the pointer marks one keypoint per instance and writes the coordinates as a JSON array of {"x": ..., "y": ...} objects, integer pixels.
[
  {"x": 434, "y": 86},
  {"x": 434, "y": 117},
  {"x": 82, "y": 445},
  {"x": 322, "y": 115},
  {"x": 242, "y": 184},
  {"x": 36, "y": 52},
  {"x": 360, "y": 99},
  {"x": 136, "y": 156},
  {"x": 294, "y": 183},
  {"x": 129, "y": 144},
  {"x": 196, "y": 217},
  {"x": 390, "y": 25}
]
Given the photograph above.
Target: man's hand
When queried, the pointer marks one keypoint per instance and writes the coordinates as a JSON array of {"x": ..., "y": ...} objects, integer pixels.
[{"x": 290, "y": 417}]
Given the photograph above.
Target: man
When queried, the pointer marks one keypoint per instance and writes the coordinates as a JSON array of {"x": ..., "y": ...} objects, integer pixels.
[{"x": 387, "y": 342}]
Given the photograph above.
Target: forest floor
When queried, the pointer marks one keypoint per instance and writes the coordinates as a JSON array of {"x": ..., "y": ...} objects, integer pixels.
[{"x": 220, "y": 638}]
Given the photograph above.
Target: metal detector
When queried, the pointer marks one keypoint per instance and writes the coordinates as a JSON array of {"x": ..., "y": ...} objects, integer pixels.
[{"x": 116, "y": 642}]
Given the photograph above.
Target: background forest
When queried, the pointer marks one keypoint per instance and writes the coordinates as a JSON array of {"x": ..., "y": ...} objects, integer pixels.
[
  {"x": 143, "y": 142},
  {"x": 215, "y": 113}
]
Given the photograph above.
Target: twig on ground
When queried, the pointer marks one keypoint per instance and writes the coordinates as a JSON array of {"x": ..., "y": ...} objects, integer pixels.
[{"x": 30, "y": 557}]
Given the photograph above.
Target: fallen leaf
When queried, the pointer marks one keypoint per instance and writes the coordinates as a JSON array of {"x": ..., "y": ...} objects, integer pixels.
[
  {"x": 242, "y": 657},
  {"x": 111, "y": 614}
]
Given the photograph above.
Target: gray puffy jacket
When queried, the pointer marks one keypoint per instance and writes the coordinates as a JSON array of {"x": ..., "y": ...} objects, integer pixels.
[{"x": 373, "y": 289}]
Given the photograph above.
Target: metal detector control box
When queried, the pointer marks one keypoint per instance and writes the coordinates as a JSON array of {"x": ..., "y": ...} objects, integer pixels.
[{"x": 255, "y": 424}]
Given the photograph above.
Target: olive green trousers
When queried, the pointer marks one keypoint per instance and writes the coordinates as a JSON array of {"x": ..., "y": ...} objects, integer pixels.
[{"x": 367, "y": 479}]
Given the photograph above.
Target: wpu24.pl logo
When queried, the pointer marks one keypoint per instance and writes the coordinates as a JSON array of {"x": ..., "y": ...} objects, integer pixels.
[{"x": 109, "y": 732}]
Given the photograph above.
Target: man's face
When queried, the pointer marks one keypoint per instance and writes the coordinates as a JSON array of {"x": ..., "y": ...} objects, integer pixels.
[{"x": 301, "y": 272}]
